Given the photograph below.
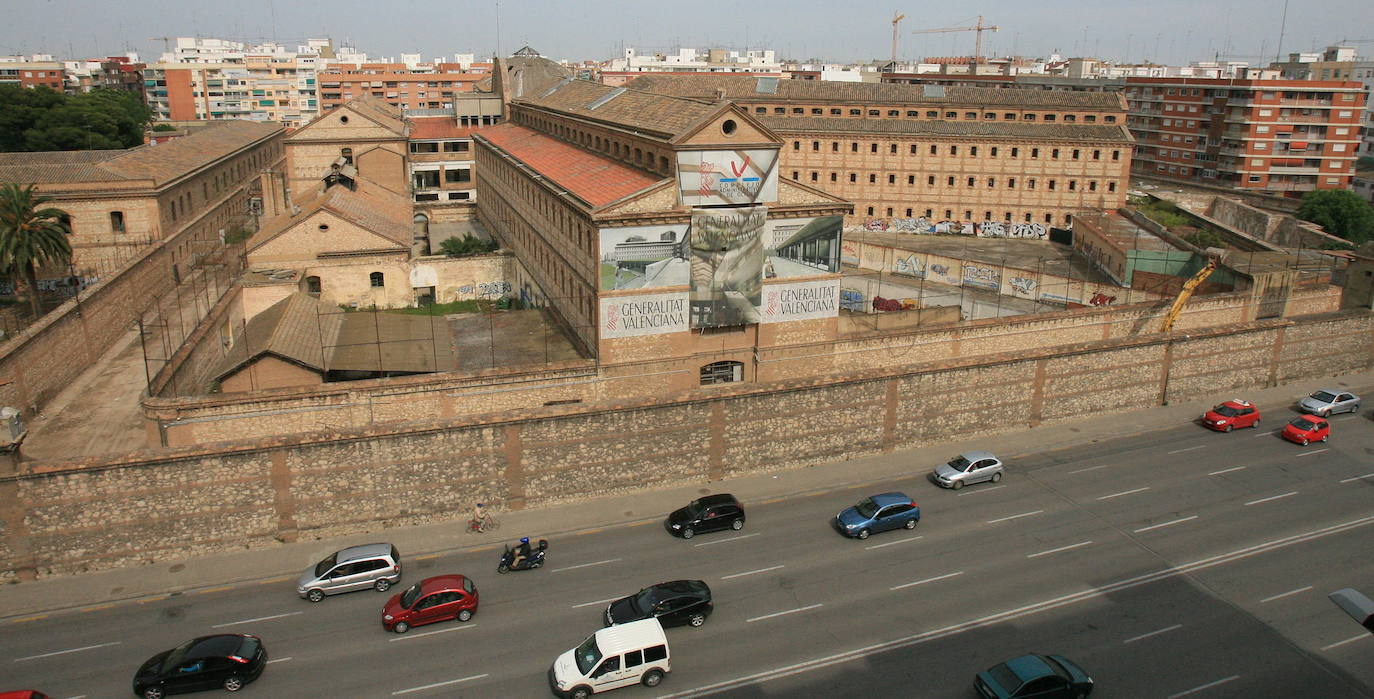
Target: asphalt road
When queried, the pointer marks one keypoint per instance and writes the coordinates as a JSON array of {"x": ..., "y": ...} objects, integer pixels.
[{"x": 1177, "y": 563}]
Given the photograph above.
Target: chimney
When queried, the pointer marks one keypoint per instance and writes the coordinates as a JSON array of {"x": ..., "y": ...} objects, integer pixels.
[{"x": 720, "y": 94}]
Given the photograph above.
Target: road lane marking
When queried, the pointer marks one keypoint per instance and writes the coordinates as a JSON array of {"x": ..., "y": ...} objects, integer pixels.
[
  {"x": 1144, "y": 636},
  {"x": 1006, "y": 615},
  {"x": 585, "y": 532},
  {"x": 427, "y": 557},
  {"x": 1061, "y": 548},
  {"x": 1271, "y": 497},
  {"x": 979, "y": 490},
  {"x": 1201, "y": 687},
  {"x": 408, "y": 636},
  {"x": 279, "y": 660},
  {"x": 586, "y": 565},
  {"x": 640, "y": 524},
  {"x": 36, "y": 617},
  {"x": 1180, "y": 451},
  {"x": 733, "y": 538},
  {"x": 273, "y": 581},
  {"x": 1023, "y": 514},
  {"x": 249, "y": 621},
  {"x": 740, "y": 575},
  {"x": 922, "y": 582},
  {"x": 770, "y": 502},
  {"x": 790, "y": 611},
  {"x": 1165, "y": 524},
  {"x": 1317, "y": 451},
  {"x": 209, "y": 590},
  {"x": 893, "y": 543},
  {"x": 69, "y": 650},
  {"x": 1124, "y": 492},
  {"x": 1285, "y": 594},
  {"x": 438, "y": 684},
  {"x": 1357, "y": 478},
  {"x": 591, "y": 604},
  {"x": 1091, "y": 468},
  {"x": 1227, "y": 470},
  {"x": 1352, "y": 639},
  {"x": 95, "y": 608}
]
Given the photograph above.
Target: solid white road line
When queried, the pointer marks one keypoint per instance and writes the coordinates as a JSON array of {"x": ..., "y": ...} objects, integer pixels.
[
  {"x": 586, "y": 565},
  {"x": 1352, "y": 639},
  {"x": 438, "y": 684},
  {"x": 1091, "y": 468},
  {"x": 1023, "y": 514},
  {"x": 1272, "y": 497},
  {"x": 1358, "y": 478},
  {"x": 408, "y": 636},
  {"x": 922, "y": 582},
  {"x": 592, "y": 604},
  {"x": 1227, "y": 470},
  {"x": 740, "y": 575},
  {"x": 69, "y": 650},
  {"x": 891, "y": 543},
  {"x": 979, "y": 490},
  {"x": 1180, "y": 451},
  {"x": 1165, "y": 524},
  {"x": 1124, "y": 492},
  {"x": 1024, "y": 611},
  {"x": 249, "y": 621},
  {"x": 280, "y": 660},
  {"x": 1142, "y": 636},
  {"x": 1061, "y": 548},
  {"x": 733, "y": 538},
  {"x": 1285, "y": 594},
  {"x": 1315, "y": 451},
  {"x": 790, "y": 611},
  {"x": 1201, "y": 687}
]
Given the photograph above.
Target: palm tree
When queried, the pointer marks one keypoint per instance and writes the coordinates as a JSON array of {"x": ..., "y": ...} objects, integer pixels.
[{"x": 31, "y": 236}]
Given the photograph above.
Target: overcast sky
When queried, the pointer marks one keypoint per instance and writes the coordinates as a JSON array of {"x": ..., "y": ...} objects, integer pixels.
[{"x": 1171, "y": 31}]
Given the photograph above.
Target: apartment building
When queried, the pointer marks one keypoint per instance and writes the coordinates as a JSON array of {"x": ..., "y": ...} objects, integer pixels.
[
  {"x": 1281, "y": 136},
  {"x": 32, "y": 71},
  {"x": 220, "y": 79},
  {"x": 409, "y": 85},
  {"x": 983, "y": 156},
  {"x": 111, "y": 73},
  {"x": 634, "y": 63}
]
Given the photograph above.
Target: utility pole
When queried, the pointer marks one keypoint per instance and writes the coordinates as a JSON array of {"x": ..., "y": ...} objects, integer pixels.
[{"x": 896, "y": 17}]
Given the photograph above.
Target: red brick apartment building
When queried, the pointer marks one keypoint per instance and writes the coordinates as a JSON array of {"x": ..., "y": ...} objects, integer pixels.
[
  {"x": 49, "y": 74},
  {"x": 433, "y": 86},
  {"x": 1282, "y": 136}
]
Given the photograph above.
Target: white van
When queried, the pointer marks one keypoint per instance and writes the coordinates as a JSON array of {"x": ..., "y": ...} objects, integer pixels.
[{"x": 614, "y": 657}]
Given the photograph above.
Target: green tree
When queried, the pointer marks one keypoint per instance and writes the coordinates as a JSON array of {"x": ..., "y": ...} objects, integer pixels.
[
  {"x": 31, "y": 235},
  {"x": 40, "y": 119},
  {"x": 1341, "y": 212},
  {"x": 467, "y": 245}
]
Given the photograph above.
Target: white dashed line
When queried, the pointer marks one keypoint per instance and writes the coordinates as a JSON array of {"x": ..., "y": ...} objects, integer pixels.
[
  {"x": 280, "y": 660},
  {"x": 1272, "y": 497},
  {"x": 1143, "y": 636},
  {"x": 437, "y": 684},
  {"x": 979, "y": 490},
  {"x": 409, "y": 636},
  {"x": 1180, "y": 451},
  {"x": 590, "y": 604},
  {"x": 751, "y": 572},
  {"x": 249, "y": 621},
  {"x": 927, "y": 580},
  {"x": 69, "y": 650},
  {"x": 1070, "y": 547},
  {"x": 1165, "y": 524},
  {"x": 1124, "y": 492},
  {"x": 1201, "y": 687},
  {"x": 892, "y": 543},
  {"x": 1316, "y": 451},
  {"x": 1358, "y": 478},
  {"x": 1285, "y": 594},
  {"x": 1352, "y": 639},
  {"x": 1227, "y": 470},
  {"x": 790, "y": 611},
  {"x": 1023, "y": 514},
  {"x": 733, "y": 538},
  {"x": 586, "y": 565},
  {"x": 1091, "y": 468}
]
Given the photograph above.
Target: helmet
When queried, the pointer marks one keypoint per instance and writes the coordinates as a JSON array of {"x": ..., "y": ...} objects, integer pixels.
[
  {"x": 524, "y": 540},
  {"x": 479, "y": 504}
]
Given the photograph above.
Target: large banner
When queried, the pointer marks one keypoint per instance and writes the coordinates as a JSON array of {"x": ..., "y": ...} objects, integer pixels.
[
  {"x": 801, "y": 301},
  {"x": 802, "y": 247},
  {"x": 648, "y": 314},
  {"x": 717, "y": 177},
  {"x": 641, "y": 257},
  {"x": 727, "y": 265}
]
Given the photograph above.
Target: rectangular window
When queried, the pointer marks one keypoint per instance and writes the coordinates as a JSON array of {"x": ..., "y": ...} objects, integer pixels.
[
  {"x": 458, "y": 176},
  {"x": 933, "y": 150},
  {"x": 973, "y": 151},
  {"x": 117, "y": 221},
  {"x": 913, "y": 149}
]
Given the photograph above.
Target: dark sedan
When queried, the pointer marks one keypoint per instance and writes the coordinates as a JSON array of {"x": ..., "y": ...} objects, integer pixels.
[
  {"x": 227, "y": 661},
  {"x": 1034, "y": 675},
  {"x": 711, "y": 513},
  {"x": 674, "y": 603}
]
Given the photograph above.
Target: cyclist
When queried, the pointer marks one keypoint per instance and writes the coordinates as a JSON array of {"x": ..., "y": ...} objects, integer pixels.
[{"x": 479, "y": 518}]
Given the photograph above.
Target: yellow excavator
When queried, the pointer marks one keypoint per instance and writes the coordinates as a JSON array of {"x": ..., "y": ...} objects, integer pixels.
[{"x": 1187, "y": 291}]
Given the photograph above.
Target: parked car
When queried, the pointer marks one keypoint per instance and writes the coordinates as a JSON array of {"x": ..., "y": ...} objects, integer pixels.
[
  {"x": 966, "y": 468},
  {"x": 432, "y": 599},
  {"x": 1231, "y": 415},
  {"x": 673, "y": 603},
  {"x": 1329, "y": 401},
  {"x": 1307, "y": 429},
  {"x": 877, "y": 513},
  {"x": 708, "y": 514},
  {"x": 1034, "y": 675},
  {"x": 354, "y": 568},
  {"x": 229, "y": 660}
]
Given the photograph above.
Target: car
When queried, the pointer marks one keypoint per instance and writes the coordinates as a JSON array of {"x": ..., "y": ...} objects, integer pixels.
[
  {"x": 1230, "y": 415},
  {"x": 877, "y": 513},
  {"x": 966, "y": 468},
  {"x": 229, "y": 660},
  {"x": 1328, "y": 401},
  {"x": 433, "y": 599},
  {"x": 1307, "y": 429},
  {"x": 707, "y": 514},
  {"x": 1034, "y": 675},
  {"x": 673, "y": 603},
  {"x": 354, "y": 568},
  {"x": 24, "y": 694}
]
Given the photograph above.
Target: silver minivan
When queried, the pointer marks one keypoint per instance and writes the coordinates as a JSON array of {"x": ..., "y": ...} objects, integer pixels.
[
  {"x": 354, "y": 568},
  {"x": 968, "y": 468}
]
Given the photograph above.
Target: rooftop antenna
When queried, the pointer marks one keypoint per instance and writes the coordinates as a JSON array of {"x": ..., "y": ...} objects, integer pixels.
[{"x": 1283, "y": 27}]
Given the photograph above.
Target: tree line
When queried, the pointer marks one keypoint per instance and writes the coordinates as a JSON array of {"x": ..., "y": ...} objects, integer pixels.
[{"x": 42, "y": 119}]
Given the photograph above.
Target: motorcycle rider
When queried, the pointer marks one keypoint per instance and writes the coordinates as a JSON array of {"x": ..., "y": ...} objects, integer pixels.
[{"x": 521, "y": 552}]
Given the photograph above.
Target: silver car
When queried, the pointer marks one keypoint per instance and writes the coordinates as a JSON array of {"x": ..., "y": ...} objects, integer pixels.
[
  {"x": 969, "y": 467},
  {"x": 1328, "y": 401},
  {"x": 353, "y": 568}
]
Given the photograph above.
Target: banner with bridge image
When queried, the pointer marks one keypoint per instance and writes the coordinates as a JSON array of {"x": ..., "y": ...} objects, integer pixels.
[{"x": 802, "y": 247}]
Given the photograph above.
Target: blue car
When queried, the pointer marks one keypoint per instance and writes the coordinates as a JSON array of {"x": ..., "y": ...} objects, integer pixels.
[
  {"x": 877, "y": 513},
  {"x": 1034, "y": 675}
]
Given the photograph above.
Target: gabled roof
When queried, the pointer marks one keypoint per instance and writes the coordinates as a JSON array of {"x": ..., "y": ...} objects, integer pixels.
[
  {"x": 366, "y": 106},
  {"x": 295, "y": 329},
  {"x": 593, "y": 178},
  {"x": 664, "y": 115},
  {"x": 372, "y": 208}
]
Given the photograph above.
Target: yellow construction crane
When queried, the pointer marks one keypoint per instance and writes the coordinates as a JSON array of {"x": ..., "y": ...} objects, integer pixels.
[
  {"x": 978, "y": 41},
  {"x": 896, "y": 17},
  {"x": 1187, "y": 291}
]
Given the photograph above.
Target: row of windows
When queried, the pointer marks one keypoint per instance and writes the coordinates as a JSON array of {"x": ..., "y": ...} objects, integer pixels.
[
  {"x": 434, "y": 147},
  {"x": 1007, "y": 216},
  {"x": 935, "y": 114},
  {"x": 952, "y": 181},
  {"x": 971, "y": 151},
  {"x": 647, "y": 159},
  {"x": 570, "y": 227},
  {"x": 226, "y": 177}
]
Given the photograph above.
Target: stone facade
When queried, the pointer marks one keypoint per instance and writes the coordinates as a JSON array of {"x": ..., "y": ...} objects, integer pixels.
[{"x": 364, "y": 133}]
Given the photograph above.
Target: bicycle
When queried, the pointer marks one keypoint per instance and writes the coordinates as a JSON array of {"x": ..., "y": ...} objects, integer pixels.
[{"x": 483, "y": 524}]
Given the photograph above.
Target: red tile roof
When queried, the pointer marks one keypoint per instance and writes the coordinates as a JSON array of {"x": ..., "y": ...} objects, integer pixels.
[
  {"x": 594, "y": 179},
  {"x": 438, "y": 127}
]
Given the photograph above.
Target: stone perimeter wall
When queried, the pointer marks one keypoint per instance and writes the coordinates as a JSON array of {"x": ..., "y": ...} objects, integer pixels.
[{"x": 154, "y": 506}]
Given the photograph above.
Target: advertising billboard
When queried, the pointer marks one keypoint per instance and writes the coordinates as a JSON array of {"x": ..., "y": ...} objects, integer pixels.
[
  {"x": 726, "y": 248},
  {"x": 801, "y": 301},
  {"x": 642, "y": 257},
  {"x": 643, "y": 314},
  {"x": 716, "y": 177}
]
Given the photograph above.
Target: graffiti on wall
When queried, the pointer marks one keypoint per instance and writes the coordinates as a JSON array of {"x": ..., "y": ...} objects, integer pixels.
[
  {"x": 985, "y": 229},
  {"x": 1022, "y": 286},
  {"x": 911, "y": 266},
  {"x": 852, "y": 300},
  {"x": 981, "y": 276},
  {"x": 1100, "y": 299},
  {"x": 496, "y": 288},
  {"x": 66, "y": 286}
]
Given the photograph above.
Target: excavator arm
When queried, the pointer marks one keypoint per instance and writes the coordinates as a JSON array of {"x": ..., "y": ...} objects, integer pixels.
[{"x": 1187, "y": 291}]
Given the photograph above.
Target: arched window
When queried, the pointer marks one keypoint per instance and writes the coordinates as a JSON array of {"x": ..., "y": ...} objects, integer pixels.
[
  {"x": 312, "y": 285},
  {"x": 722, "y": 372},
  {"x": 376, "y": 279}
]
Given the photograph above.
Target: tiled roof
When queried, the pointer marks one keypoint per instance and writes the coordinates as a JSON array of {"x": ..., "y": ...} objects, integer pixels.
[
  {"x": 295, "y": 328},
  {"x": 918, "y": 127},
  {"x": 159, "y": 164},
  {"x": 385, "y": 115},
  {"x": 645, "y": 111},
  {"x": 374, "y": 209},
  {"x": 746, "y": 88},
  {"x": 594, "y": 179},
  {"x": 422, "y": 128}
]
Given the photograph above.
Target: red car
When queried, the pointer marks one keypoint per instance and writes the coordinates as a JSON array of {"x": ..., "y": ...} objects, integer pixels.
[
  {"x": 1232, "y": 414},
  {"x": 1307, "y": 429},
  {"x": 432, "y": 599}
]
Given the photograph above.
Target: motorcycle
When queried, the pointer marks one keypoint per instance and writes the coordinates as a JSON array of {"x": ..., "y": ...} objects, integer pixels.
[{"x": 534, "y": 560}]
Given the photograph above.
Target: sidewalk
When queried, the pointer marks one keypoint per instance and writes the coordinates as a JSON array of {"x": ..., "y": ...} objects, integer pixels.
[{"x": 285, "y": 562}]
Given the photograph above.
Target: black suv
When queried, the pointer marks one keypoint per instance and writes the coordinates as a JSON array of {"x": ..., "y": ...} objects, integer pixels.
[
  {"x": 209, "y": 662},
  {"x": 705, "y": 515},
  {"x": 674, "y": 603}
]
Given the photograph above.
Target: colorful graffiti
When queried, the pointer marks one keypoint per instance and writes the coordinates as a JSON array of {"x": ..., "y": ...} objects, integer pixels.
[
  {"x": 852, "y": 300},
  {"x": 985, "y": 229},
  {"x": 986, "y": 277},
  {"x": 911, "y": 266},
  {"x": 1022, "y": 285},
  {"x": 497, "y": 288},
  {"x": 1100, "y": 299}
]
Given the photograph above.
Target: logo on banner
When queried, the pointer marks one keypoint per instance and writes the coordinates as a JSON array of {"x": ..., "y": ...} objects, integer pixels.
[
  {"x": 772, "y": 308},
  {"x": 612, "y": 317}
]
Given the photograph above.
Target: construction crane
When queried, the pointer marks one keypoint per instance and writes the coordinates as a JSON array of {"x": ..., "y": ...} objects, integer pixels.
[
  {"x": 896, "y": 17},
  {"x": 1187, "y": 291},
  {"x": 166, "y": 42},
  {"x": 979, "y": 28}
]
